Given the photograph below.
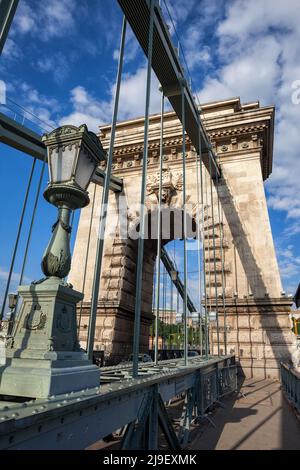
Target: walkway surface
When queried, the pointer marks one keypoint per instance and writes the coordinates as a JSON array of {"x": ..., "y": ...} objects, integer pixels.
[{"x": 259, "y": 418}]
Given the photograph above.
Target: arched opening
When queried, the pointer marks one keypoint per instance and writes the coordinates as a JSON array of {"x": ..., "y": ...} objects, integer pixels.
[{"x": 170, "y": 303}]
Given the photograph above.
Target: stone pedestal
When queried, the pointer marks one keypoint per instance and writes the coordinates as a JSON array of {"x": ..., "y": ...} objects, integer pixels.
[
  {"x": 43, "y": 356},
  {"x": 259, "y": 334}
]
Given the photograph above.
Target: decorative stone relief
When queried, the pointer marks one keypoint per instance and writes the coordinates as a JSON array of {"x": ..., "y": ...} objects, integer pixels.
[
  {"x": 36, "y": 319},
  {"x": 171, "y": 183},
  {"x": 63, "y": 321}
]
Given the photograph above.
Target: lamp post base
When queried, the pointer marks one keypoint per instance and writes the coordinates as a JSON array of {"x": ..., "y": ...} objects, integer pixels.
[{"x": 43, "y": 355}]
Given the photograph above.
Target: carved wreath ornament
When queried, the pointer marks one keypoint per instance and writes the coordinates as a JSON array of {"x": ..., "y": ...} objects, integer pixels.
[
  {"x": 171, "y": 183},
  {"x": 35, "y": 319}
]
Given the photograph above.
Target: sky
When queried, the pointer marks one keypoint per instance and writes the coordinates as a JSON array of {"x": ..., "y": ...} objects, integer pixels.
[{"x": 60, "y": 63}]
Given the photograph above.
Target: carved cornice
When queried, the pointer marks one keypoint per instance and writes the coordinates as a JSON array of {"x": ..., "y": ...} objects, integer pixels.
[{"x": 242, "y": 122}]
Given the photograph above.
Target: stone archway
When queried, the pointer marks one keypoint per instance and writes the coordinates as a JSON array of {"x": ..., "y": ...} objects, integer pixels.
[
  {"x": 115, "y": 319},
  {"x": 257, "y": 311}
]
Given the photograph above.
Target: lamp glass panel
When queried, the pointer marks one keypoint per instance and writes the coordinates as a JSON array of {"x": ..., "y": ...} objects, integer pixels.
[
  {"x": 85, "y": 169},
  {"x": 62, "y": 164}
]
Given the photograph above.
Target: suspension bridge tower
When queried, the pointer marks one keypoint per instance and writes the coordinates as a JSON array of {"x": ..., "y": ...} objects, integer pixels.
[{"x": 241, "y": 271}]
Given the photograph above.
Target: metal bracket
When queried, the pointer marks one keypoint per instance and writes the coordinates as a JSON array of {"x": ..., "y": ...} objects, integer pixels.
[{"x": 143, "y": 432}]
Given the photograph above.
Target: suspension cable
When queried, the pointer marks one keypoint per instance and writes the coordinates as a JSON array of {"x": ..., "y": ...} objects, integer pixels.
[
  {"x": 199, "y": 251},
  {"x": 214, "y": 252},
  {"x": 140, "y": 256},
  {"x": 104, "y": 202},
  {"x": 184, "y": 228},
  {"x": 18, "y": 238},
  {"x": 87, "y": 257},
  {"x": 164, "y": 307},
  {"x": 37, "y": 196},
  {"x": 171, "y": 303},
  {"x": 220, "y": 216},
  {"x": 158, "y": 253},
  {"x": 208, "y": 254},
  {"x": 177, "y": 316},
  {"x": 203, "y": 251}
]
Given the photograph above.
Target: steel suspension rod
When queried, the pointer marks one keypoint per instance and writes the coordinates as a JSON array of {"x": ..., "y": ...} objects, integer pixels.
[
  {"x": 184, "y": 229},
  {"x": 140, "y": 256},
  {"x": 220, "y": 215},
  {"x": 214, "y": 252},
  {"x": 105, "y": 195},
  {"x": 37, "y": 196},
  {"x": 18, "y": 238},
  {"x": 158, "y": 253},
  {"x": 203, "y": 249},
  {"x": 199, "y": 249},
  {"x": 87, "y": 256}
]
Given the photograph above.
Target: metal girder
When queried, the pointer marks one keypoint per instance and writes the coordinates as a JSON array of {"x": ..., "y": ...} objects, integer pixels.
[
  {"x": 168, "y": 69},
  {"x": 7, "y": 13},
  {"x": 77, "y": 420},
  {"x": 21, "y": 138},
  {"x": 187, "y": 414},
  {"x": 168, "y": 263},
  {"x": 143, "y": 433},
  {"x": 136, "y": 430},
  {"x": 166, "y": 426}
]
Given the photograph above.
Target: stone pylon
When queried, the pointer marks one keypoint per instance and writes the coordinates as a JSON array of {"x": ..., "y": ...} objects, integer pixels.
[{"x": 237, "y": 236}]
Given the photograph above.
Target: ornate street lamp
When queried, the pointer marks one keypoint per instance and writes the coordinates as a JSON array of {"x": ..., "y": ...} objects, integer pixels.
[
  {"x": 73, "y": 155},
  {"x": 43, "y": 355}
]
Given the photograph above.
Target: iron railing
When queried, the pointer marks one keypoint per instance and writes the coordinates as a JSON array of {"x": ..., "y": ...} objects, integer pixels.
[{"x": 290, "y": 382}]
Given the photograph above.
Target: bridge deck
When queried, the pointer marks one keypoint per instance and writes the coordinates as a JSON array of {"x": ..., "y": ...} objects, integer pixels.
[
  {"x": 78, "y": 419},
  {"x": 259, "y": 418}
]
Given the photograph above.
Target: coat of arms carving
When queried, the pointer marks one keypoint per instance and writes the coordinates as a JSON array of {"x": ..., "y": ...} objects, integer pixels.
[
  {"x": 171, "y": 184},
  {"x": 35, "y": 319}
]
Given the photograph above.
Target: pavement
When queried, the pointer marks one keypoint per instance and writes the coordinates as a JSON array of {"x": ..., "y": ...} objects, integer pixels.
[{"x": 258, "y": 417}]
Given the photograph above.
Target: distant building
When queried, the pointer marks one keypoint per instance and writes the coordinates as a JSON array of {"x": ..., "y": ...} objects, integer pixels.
[
  {"x": 297, "y": 297},
  {"x": 171, "y": 317}
]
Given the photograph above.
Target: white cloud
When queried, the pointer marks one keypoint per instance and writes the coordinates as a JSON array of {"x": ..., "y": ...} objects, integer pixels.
[
  {"x": 11, "y": 50},
  {"x": 132, "y": 48},
  {"x": 86, "y": 110},
  {"x": 179, "y": 11},
  {"x": 93, "y": 112},
  {"x": 250, "y": 75},
  {"x": 43, "y": 108},
  {"x": 253, "y": 51},
  {"x": 258, "y": 54},
  {"x": 57, "y": 65},
  {"x": 289, "y": 265},
  {"x": 133, "y": 91},
  {"x": 54, "y": 18}
]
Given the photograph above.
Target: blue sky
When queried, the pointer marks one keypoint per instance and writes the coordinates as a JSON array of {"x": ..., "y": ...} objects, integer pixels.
[{"x": 60, "y": 63}]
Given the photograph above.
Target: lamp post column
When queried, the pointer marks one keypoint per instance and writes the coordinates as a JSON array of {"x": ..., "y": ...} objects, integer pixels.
[{"x": 43, "y": 354}]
